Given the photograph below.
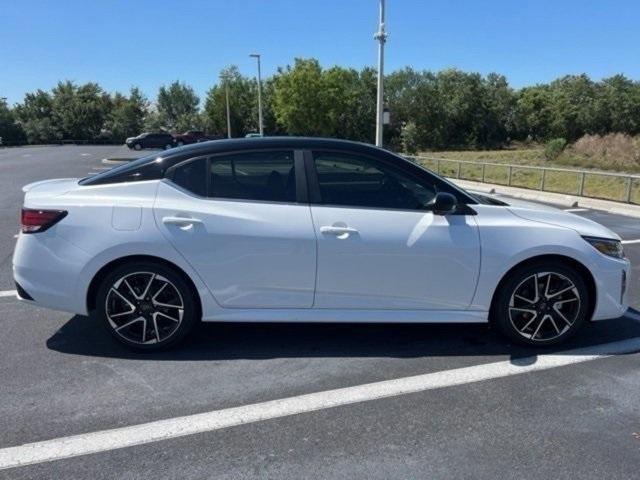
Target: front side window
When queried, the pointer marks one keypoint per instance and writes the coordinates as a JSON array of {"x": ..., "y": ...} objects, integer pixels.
[
  {"x": 263, "y": 176},
  {"x": 353, "y": 180}
]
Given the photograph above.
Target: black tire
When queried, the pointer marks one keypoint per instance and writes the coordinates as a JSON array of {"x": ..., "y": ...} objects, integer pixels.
[
  {"x": 137, "y": 146},
  {"x": 554, "y": 316},
  {"x": 180, "y": 143},
  {"x": 168, "y": 146},
  {"x": 156, "y": 327}
]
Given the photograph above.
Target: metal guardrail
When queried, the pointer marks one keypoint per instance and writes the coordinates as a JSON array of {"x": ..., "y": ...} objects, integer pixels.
[{"x": 626, "y": 186}]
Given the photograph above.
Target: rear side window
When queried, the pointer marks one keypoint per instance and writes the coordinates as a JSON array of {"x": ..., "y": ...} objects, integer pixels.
[
  {"x": 192, "y": 176},
  {"x": 264, "y": 176}
]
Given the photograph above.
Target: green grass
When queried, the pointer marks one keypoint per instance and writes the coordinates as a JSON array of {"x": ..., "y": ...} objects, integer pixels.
[
  {"x": 528, "y": 156},
  {"x": 535, "y": 156},
  {"x": 595, "y": 185}
]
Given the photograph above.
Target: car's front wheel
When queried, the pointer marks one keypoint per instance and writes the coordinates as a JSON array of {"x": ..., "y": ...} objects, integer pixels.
[
  {"x": 137, "y": 146},
  {"x": 542, "y": 304},
  {"x": 146, "y": 305}
]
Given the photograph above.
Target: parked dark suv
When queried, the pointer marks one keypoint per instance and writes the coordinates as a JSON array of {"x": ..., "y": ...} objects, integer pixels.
[{"x": 151, "y": 140}]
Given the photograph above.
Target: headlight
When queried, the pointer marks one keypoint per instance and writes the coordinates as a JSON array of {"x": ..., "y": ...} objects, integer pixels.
[{"x": 607, "y": 246}]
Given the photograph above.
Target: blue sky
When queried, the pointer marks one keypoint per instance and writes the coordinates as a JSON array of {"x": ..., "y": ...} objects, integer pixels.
[{"x": 149, "y": 43}]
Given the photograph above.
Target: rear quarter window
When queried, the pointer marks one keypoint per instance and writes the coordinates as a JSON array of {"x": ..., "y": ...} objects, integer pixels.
[{"x": 192, "y": 176}]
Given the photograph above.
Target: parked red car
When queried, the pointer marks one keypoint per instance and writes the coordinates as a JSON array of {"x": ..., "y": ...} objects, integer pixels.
[{"x": 194, "y": 136}]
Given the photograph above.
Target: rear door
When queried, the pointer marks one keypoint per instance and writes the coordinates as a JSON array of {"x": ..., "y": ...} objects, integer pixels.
[
  {"x": 378, "y": 248},
  {"x": 242, "y": 222}
]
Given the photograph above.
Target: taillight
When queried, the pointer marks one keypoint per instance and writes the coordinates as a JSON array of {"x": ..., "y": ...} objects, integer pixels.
[{"x": 34, "y": 220}]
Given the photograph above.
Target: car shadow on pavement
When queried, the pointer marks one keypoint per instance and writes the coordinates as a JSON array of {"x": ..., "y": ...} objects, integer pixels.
[{"x": 229, "y": 341}]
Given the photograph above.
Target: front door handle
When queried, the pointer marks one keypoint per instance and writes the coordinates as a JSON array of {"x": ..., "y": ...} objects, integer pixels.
[
  {"x": 332, "y": 230},
  {"x": 181, "y": 221}
]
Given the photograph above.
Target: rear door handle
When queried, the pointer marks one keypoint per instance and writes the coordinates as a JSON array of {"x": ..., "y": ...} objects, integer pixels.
[
  {"x": 181, "y": 221},
  {"x": 331, "y": 230}
]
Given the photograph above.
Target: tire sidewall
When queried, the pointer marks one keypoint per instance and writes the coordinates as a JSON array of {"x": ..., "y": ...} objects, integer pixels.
[
  {"x": 190, "y": 315},
  {"x": 503, "y": 298}
]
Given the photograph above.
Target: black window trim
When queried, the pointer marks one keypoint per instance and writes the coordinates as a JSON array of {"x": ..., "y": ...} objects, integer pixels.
[
  {"x": 298, "y": 169},
  {"x": 315, "y": 198}
]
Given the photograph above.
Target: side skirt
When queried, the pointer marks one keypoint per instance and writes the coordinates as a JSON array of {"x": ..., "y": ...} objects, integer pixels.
[{"x": 347, "y": 316}]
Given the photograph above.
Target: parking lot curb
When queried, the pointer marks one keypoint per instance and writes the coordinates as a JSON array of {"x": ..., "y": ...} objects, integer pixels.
[
  {"x": 558, "y": 198},
  {"x": 116, "y": 161}
]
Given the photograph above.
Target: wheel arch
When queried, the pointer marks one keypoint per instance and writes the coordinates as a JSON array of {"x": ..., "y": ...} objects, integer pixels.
[
  {"x": 582, "y": 270},
  {"x": 94, "y": 285}
]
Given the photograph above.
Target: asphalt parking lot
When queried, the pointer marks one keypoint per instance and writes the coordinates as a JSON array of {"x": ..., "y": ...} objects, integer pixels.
[{"x": 577, "y": 416}]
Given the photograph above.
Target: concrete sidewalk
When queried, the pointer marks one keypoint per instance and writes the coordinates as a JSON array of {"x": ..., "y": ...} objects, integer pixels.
[{"x": 557, "y": 198}]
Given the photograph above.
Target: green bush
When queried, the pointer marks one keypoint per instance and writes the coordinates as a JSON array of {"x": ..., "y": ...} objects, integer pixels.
[
  {"x": 554, "y": 148},
  {"x": 409, "y": 136}
]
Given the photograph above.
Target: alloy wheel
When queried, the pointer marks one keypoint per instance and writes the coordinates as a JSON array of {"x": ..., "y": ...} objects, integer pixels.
[
  {"x": 544, "y": 306},
  {"x": 144, "y": 308}
]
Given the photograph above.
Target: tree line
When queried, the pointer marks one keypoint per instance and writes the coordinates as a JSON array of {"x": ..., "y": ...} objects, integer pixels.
[{"x": 449, "y": 109}]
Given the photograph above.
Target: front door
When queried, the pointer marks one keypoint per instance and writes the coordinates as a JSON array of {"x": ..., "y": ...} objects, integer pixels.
[{"x": 377, "y": 246}]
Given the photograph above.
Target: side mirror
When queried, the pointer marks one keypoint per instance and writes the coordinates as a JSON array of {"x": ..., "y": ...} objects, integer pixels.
[{"x": 443, "y": 204}]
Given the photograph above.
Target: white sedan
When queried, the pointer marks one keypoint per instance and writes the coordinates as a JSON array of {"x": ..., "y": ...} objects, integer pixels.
[{"x": 306, "y": 230}]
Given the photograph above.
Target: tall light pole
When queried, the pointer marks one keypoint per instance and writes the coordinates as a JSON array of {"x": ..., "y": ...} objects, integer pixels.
[
  {"x": 226, "y": 93},
  {"x": 381, "y": 37},
  {"x": 260, "y": 126}
]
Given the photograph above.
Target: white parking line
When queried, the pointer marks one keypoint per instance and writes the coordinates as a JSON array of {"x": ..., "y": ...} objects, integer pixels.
[
  {"x": 100, "y": 441},
  {"x": 629, "y": 242},
  {"x": 576, "y": 210},
  {"x": 8, "y": 293}
]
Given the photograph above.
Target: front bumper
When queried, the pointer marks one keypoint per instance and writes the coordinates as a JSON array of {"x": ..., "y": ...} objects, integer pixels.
[{"x": 612, "y": 279}]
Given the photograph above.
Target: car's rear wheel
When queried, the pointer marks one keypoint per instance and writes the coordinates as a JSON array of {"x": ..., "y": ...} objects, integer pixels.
[
  {"x": 168, "y": 146},
  {"x": 146, "y": 305},
  {"x": 180, "y": 143},
  {"x": 542, "y": 304},
  {"x": 137, "y": 146}
]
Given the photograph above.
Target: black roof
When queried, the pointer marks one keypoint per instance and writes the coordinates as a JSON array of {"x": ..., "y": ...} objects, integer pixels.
[{"x": 218, "y": 146}]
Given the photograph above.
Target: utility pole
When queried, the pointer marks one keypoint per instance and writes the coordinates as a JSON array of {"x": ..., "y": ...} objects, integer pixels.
[
  {"x": 260, "y": 126},
  {"x": 226, "y": 91},
  {"x": 381, "y": 37}
]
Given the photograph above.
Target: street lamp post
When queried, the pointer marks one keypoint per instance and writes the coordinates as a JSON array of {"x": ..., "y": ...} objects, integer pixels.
[
  {"x": 381, "y": 37},
  {"x": 260, "y": 126},
  {"x": 226, "y": 92}
]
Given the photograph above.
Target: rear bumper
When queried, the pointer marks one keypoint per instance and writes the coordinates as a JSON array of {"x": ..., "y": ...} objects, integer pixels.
[{"x": 46, "y": 267}]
